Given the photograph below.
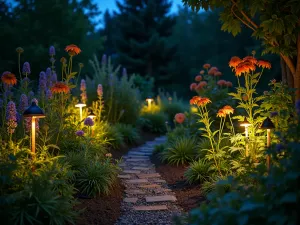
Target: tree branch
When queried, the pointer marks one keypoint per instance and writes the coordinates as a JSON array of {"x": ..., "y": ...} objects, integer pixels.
[{"x": 244, "y": 22}]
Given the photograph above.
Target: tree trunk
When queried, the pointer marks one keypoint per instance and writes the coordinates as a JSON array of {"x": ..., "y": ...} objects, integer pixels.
[
  {"x": 283, "y": 71},
  {"x": 289, "y": 76}
]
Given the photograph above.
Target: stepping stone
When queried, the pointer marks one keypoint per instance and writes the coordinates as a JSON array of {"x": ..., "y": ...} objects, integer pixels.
[
  {"x": 163, "y": 198},
  {"x": 150, "y": 175},
  {"x": 131, "y": 171},
  {"x": 130, "y": 200},
  {"x": 159, "y": 191},
  {"x": 136, "y": 160},
  {"x": 137, "y": 181},
  {"x": 139, "y": 153},
  {"x": 159, "y": 181},
  {"x": 135, "y": 192},
  {"x": 150, "y": 186},
  {"x": 124, "y": 176},
  {"x": 150, "y": 207},
  {"x": 147, "y": 150},
  {"x": 122, "y": 164},
  {"x": 141, "y": 168},
  {"x": 138, "y": 157}
]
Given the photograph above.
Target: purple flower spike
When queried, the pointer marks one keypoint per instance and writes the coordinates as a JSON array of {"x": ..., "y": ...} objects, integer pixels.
[
  {"x": 79, "y": 133},
  {"x": 89, "y": 122},
  {"x": 48, "y": 72},
  {"x": 42, "y": 82},
  {"x": 273, "y": 114},
  {"x": 124, "y": 72},
  {"x": 100, "y": 90},
  {"x": 11, "y": 117},
  {"x": 52, "y": 51},
  {"x": 104, "y": 59},
  {"x": 23, "y": 103},
  {"x": 26, "y": 68},
  {"x": 54, "y": 77},
  {"x": 82, "y": 85},
  {"x": 48, "y": 94},
  {"x": 298, "y": 106}
]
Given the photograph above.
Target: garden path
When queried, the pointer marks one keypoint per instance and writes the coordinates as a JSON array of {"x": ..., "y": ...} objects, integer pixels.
[{"x": 147, "y": 197}]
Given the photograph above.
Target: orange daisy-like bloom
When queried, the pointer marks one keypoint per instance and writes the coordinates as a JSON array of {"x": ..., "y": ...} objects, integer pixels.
[
  {"x": 198, "y": 78},
  {"x": 193, "y": 86},
  {"x": 217, "y": 73},
  {"x": 221, "y": 113},
  {"x": 263, "y": 64},
  {"x": 227, "y": 109},
  {"x": 73, "y": 49},
  {"x": 250, "y": 59},
  {"x": 213, "y": 70},
  {"x": 203, "y": 101},
  {"x": 202, "y": 72},
  {"x": 206, "y": 66},
  {"x": 179, "y": 118},
  {"x": 228, "y": 84},
  {"x": 221, "y": 83},
  {"x": 195, "y": 100},
  {"x": 244, "y": 67},
  {"x": 245, "y": 97},
  {"x": 234, "y": 61},
  {"x": 60, "y": 87},
  {"x": 9, "y": 78}
]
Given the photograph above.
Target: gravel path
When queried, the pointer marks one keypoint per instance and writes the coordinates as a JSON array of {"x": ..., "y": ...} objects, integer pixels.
[{"x": 147, "y": 198}]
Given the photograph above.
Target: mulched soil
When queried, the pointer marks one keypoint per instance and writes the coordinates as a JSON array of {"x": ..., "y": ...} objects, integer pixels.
[
  {"x": 105, "y": 210},
  {"x": 188, "y": 196}
]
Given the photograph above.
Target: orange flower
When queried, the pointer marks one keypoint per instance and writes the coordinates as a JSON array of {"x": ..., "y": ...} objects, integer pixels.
[
  {"x": 193, "y": 86},
  {"x": 273, "y": 81},
  {"x": 202, "y": 72},
  {"x": 8, "y": 78},
  {"x": 264, "y": 64},
  {"x": 203, "y": 84},
  {"x": 206, "y": 66},
  {"x": 221, "y": 113},
  {"x": 227, "y": 109},
  {"x": 228, "y": 84},
  {"x": 221, "y": 83},
  {"x": 250, "y": 59},
  {"x": 73, "y": 49},
  {"x": 234, "y": 61},
  {"x": 217, "y": 73},
  {"x": 195, "y": 100},
  {"x": 198, "y": 78},
  {"x": 245, "y": 97},
  {"x": 244, "y": 67},
  {"x": 60, "y": 87},
  {"x": 198, "y": 88},
  {"x": 213, "y": 70},
  {"x": 203, "y": 101},
  {"x": 179, "y": 118}
]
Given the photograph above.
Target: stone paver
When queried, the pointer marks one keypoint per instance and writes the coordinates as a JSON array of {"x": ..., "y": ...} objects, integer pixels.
[
  {"x": 141, "y": 168},
  {"x": 150, "y": 186},
  {"x": 139, "y": 153},
  {"x": 149, "y": 175},
  {"x": 131, "y": 171},
  {"x": 136, "y": 160},
  {"x": 159, "y": 181},
  {"x": 150, "y": 207},
  {"x": 137, "y": 157},
  {"x": 130, "y": 200},
  {"x": 135, "y": 192},
  {"x": 163, "y": 198},
  {"x": 137, "y": 181},
  {"x": 124, "y": 176}
]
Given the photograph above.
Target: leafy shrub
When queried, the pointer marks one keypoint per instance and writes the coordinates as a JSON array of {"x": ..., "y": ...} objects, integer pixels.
[
  {"x": 180, "y": 151},
  {"x": 145, "y": 85},
  {"x": 198, "y": 171},
  {"x": 159, "y": 148},
  {"x": 75, "y": 159},
  {"x": 179, "y": 131},
  {"x": 96, "y": 178},
  {"x": 155, "y": 122},
  {"x": 129, "y": 133},
  {"x": 114, "y": 136},
  {"x": 214, "y": 183},
  {"x": 204, "y": 144},
  {"x": 172, "y": 109}
]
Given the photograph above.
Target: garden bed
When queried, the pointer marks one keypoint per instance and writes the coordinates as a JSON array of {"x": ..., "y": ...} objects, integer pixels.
[
  {"x": 106, "y": 209},
  {"x": 188, "y": 196}
]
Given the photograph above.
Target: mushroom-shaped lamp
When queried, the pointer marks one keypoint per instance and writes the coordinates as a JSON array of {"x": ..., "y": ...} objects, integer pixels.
[
  {"x": 149, "y": 100},
  {"x": 267, "y": 124},
  {"x": 80, "y": 105}
]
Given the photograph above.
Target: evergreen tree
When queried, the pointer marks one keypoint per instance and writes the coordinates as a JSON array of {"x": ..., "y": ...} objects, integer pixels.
[{"x": 141, "y": 40}]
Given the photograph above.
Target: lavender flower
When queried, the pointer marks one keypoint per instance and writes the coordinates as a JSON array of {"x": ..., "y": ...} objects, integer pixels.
[
  {"x": 35, "y": 100},
  {"x": 49, "y": 77},
  {"x": 23, "y": 103},
  {"x": 54, "y": 77},
  {"x": 42, "y": 82},
  {"x": 273, "y": 114},
  {"x": 104, "y": 59},
  {"x": 82, "y": 85},
  {"x": 30, "y": 96},
  {"x": 51, "y": 51},
  {"x": 83, "y": 97},
  {"x": 100, "y": 90},
  {"x": 89, "y": 122},
  {"x": 26, "y": 68},
  {"x": 52, "y": 60},
  {"x": 11, "y": 117},
  {"x": 298, "y": 106},
  {"x": 48, "y": 94},
  {"x": 124, "y": 72},
  {"x": 79, "y": 133},
  {"x": 25, "y": 82}
]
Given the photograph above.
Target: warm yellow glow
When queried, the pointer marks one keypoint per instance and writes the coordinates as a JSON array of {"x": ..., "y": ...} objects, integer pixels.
[
  {"x": 80, "y": 105},
  {"x": 149, "y": 100},
  {"x": 91, "y": 116},
  {"x": 194, "y": 109}
]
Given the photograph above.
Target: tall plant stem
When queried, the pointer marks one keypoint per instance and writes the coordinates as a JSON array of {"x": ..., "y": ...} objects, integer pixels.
[{"x": 19, "y": 65}]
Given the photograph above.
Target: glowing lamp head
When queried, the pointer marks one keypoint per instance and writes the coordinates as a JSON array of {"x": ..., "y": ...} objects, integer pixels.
[
  {"x": 34, "y": 111},
  {"x": 245, "y": 123},
  {"x": 80, "y": 105},
  {"x": 149, "y": 99},
  {"x": 267, "y": 124},
  {"x": 91, "y": 115}
]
